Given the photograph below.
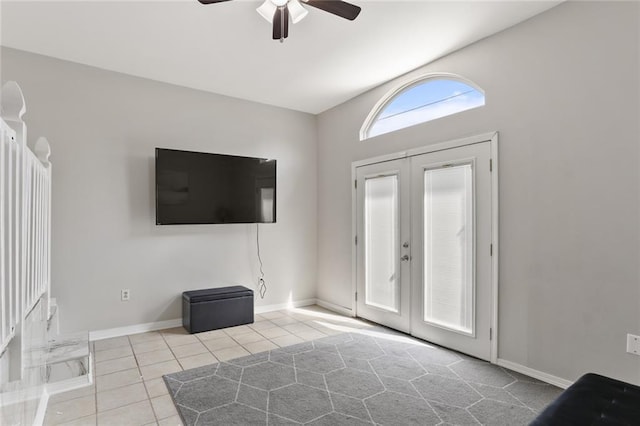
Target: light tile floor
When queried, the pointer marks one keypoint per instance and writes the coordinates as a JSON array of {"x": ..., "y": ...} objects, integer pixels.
[{"x": 128, "y": 386}]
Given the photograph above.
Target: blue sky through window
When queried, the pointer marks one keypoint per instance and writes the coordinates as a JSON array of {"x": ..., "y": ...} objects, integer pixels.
[{"x": 431, "y": 99}]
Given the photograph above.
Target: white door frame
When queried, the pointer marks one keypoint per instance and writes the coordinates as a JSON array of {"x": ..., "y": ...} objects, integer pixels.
[{"x": 491, "y": 137}]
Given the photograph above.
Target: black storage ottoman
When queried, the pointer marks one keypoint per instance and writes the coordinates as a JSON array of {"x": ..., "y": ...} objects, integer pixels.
[
  {"x": 594, "y": 400},
  {"x": 214, "y": 308}
]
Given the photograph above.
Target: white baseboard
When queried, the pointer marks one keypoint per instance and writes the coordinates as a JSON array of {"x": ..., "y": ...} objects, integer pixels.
[
  {"x": 134, "y": 329},
  {"x": 545, "y": 377},
  {"x": 277, "y": 307},
  {"x": 160, "y": 325},
  {"x": 335, "y": 308}
]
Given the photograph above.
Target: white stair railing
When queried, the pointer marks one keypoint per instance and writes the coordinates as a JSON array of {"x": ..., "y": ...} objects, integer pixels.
[{"x": 25, "y": 217}]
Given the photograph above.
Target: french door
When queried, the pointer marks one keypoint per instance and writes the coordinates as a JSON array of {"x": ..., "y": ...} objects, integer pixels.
[
  {"x": 383, "y": 268},
  {"x": 424, "y": 252}
]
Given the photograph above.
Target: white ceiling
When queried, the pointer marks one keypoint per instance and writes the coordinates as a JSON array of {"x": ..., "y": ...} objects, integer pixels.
[{"x": 226, "y": 48}]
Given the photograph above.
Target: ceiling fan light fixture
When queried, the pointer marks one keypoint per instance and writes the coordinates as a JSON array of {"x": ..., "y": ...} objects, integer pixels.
[
  {"x": 279, "y": 12},
  {"x": 297, "y": 11},
  {"x": 267, "y": 10}
]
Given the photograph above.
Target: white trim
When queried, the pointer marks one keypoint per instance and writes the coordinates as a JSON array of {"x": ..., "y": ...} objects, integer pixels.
[
  {"x": 335, "y": 308},
  {"x": 354, "y": 235},
  {"x": 540, "y": 375},
  {"x": 277, "y": 307},
  {"x": 161, "y": 325},
  {"x": 441, "y": 146},
  {"x": 134, "y": 329},
  {"x": 42, "y": 408},
  {"x": 454, "y": 143},
  {"x": 380, "y": 159},
  {"x": 409, "y": 82},
  {"x": 495, "y": 241}
]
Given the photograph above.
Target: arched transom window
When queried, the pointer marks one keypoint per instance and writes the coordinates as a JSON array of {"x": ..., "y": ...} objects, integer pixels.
[{"x": 419, "y": 101}]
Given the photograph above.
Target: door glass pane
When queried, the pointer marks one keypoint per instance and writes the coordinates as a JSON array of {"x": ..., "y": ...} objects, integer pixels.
[
  {"x": 381, "y": 242},
  {"x": 448, "y": 247}
]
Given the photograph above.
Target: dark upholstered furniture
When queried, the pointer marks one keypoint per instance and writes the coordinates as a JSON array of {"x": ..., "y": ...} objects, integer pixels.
[
  {"x": 594, "y": 400},
  {"x": 214, "y": 308}
]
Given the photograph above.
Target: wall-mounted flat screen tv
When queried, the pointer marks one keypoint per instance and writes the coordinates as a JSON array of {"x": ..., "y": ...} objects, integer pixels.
[{"x": 202, "y": 188}]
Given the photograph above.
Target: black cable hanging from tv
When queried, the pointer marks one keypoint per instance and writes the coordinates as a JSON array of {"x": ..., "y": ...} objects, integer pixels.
[{"x": 262, "y": 286}]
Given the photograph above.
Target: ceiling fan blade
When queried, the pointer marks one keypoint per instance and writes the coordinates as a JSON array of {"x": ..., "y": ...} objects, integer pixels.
[
  {"x": 281, "y": 23},
  {"x": 340, "y": 8},
  {"x": 211, "y": 1}
]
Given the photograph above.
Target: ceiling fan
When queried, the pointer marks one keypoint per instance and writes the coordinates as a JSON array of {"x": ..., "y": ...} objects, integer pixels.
[{"x": 278, "y": 12}]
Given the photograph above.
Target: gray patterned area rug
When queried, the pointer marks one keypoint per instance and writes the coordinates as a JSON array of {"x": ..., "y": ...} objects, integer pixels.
[{"x": 357, "y": 379}]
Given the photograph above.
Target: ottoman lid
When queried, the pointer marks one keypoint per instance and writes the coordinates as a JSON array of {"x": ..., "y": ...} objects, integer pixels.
[{"x": 208, "y": 294}]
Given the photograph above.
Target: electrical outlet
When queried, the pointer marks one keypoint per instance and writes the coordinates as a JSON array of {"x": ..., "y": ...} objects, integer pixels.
[
  {"x": 125, "y": 294},
  {"x": 633, "y": 344}
]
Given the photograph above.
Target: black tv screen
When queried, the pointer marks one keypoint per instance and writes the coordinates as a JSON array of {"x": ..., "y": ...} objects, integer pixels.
[{"x": 202, "y": 188}]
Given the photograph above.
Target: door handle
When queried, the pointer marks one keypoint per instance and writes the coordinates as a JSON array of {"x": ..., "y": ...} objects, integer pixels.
[{"x": 405, "y": 258}]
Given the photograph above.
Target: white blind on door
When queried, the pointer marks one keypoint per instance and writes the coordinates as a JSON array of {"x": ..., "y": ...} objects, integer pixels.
[
  {"x": 381, "y": 242},
  {"x": 448, "y": 250}
]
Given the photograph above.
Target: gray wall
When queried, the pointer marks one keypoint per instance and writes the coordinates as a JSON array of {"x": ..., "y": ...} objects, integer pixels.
[
  {"x": 103, "y": 128},
  {"x": 562, "y": 90}
]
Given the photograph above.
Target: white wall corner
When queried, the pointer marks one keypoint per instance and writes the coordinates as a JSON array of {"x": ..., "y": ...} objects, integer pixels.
[{"x": 335, "y": 308}]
